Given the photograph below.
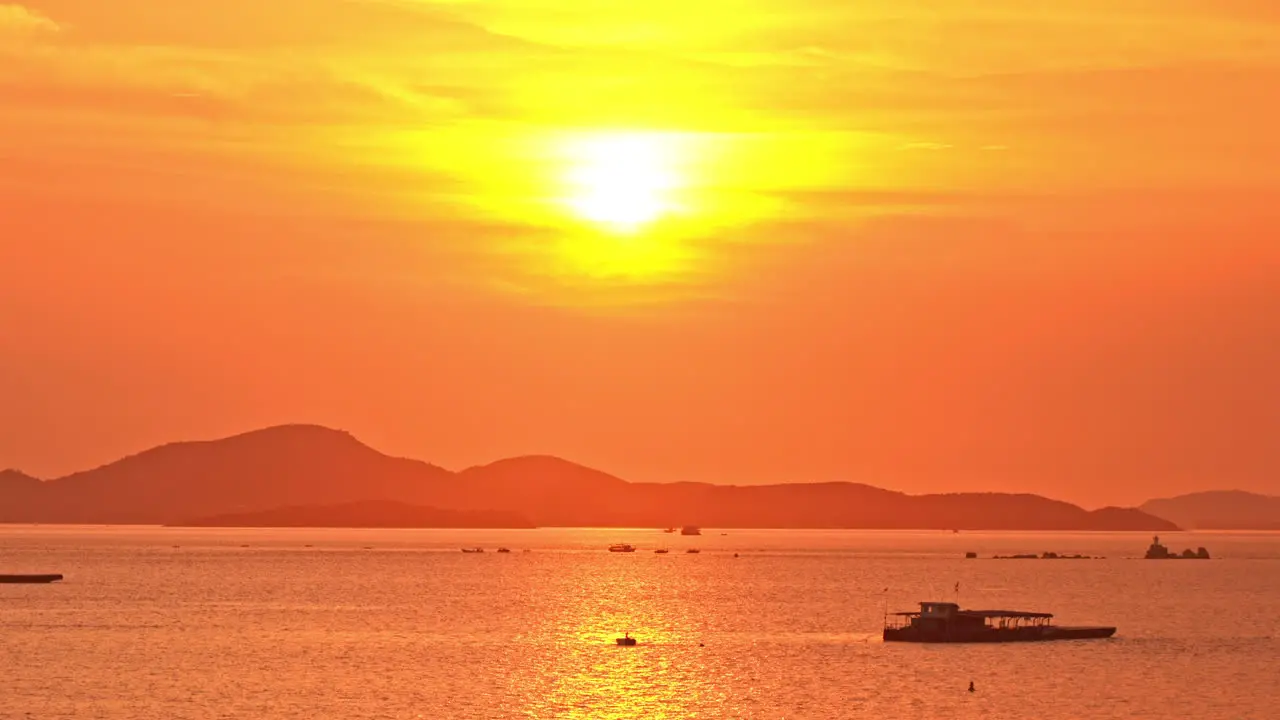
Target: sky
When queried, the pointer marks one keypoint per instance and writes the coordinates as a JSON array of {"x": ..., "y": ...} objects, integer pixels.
[{"x": 931, "y": 246}]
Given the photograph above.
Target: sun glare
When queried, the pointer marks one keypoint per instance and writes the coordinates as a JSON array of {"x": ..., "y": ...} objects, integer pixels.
[{"x": 622, "y": 181}]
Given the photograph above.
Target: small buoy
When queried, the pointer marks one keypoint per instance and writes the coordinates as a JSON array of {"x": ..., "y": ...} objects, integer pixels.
[{"x": 971, "y": 688}]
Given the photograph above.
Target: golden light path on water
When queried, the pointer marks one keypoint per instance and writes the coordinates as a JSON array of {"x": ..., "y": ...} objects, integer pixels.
[{"x": 588, "y": 675}]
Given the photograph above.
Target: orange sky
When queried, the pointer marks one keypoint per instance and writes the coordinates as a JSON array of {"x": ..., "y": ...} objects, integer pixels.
[{"x": 931, "y": 246}]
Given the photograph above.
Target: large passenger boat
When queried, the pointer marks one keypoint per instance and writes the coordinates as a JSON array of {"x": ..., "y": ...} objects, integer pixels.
[{"x": 943, "y": 622}]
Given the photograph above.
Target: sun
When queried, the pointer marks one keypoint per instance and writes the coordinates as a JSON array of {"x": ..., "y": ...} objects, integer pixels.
[{"x": 622, "y": 181}]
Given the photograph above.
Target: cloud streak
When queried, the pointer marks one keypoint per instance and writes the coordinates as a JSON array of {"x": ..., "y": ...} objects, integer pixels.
[{"x": 18, "y": 20}]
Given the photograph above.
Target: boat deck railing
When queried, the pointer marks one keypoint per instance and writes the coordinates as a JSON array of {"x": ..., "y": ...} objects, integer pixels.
[
  {"x": 994, "y": 619},
  {"x": 897, "y": 621}
]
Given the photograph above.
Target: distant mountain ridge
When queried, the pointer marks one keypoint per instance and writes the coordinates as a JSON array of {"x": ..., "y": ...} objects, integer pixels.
[
  {"x": 296, "y": 466},
  {"x": 1218, "y": 510}
]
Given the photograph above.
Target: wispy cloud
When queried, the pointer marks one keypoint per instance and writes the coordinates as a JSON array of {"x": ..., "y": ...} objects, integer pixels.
[
  {"x": 925, "y": 146},
  {"x": 18, "y": 20}
]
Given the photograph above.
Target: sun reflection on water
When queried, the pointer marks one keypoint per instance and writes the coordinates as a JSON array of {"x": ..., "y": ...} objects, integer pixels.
[{"x": 587, "y": 675}]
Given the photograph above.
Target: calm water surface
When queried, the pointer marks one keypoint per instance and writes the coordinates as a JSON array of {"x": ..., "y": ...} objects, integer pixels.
[{"x": 158, "y": 623}]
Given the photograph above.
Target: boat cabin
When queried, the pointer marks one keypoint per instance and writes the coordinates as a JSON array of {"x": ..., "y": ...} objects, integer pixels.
[{"x": 945, "y": 617}]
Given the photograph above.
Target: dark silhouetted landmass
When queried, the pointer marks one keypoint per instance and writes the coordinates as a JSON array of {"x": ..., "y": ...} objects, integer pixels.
[
  {"x": 365, "y": 514},
  {"x": 261, "y": 470},
  {"x": 18, "y": 490},
  {"x": 1219, "y": 510},
  {"x": 14, "y": 481},
  {"x": 302, "y": 465}
]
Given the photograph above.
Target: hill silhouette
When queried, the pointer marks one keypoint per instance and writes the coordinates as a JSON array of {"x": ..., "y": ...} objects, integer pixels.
[
  {"x": 297, "y": 466},
  {"x": 17, "y": 490},
  {"x": 255, "y": 471},
  {"x": 1218, "y": 510},
  {"x": 364, "y": 514}
]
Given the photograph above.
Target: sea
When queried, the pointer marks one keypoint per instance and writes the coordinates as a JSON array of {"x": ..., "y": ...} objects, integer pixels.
[{"x": 264, "y": 624}]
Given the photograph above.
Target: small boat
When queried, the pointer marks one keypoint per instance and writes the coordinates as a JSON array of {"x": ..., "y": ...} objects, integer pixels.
[
  {"x": 472, "y": 550},
  {"x": 29, "y": 579},
  {"x": 504, "y": 550},
  {"x": 626, "y": 640},
  {"x": 690, "y": 530},
  {"x": 693, "y": 551},
  {"x": 669, "y": 530},
  {"x": 661, "y": 551},
  {"x": 943, "y": 622},
  {"x": 622, "y": 547}
]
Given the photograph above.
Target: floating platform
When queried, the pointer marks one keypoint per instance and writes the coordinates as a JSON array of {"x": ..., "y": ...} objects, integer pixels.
[
  {"x": 1046, "y": 556},
  {"x": 29, "y": 579}
]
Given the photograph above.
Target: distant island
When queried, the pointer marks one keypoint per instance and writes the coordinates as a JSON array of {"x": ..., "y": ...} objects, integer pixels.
[
  {"x": 366, "y": 514},
  {"x": 306, "y": 474},
  {"x": 1218, "y": 510}
]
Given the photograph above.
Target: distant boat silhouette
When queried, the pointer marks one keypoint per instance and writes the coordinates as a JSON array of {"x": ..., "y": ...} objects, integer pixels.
[
  {"x": 29, "y": 579},
  {"x": 690, "y": 530},
  {"x": 626, "y": 640},
  {"x": 693, "y": 551},
  {"x": 472, "y": 550},
  {"x": 661, "y": 551},
  {"x": 622, "y": 548}
]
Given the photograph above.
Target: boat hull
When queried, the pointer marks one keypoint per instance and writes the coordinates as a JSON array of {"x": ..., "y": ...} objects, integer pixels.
[
  {"x": 990, "y": 635},
  {"x": 28, "y": 579}
]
